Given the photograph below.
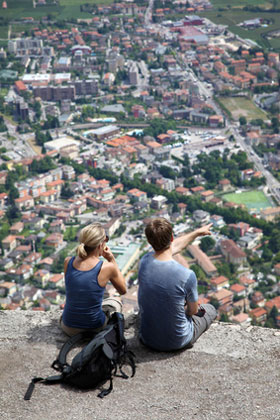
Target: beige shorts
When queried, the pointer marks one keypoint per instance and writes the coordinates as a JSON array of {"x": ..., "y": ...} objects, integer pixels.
[{"x": 109, "y": 306}]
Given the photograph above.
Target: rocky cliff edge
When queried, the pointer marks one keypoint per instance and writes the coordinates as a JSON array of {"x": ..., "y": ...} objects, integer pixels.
[{"x": 231, "y": 373}]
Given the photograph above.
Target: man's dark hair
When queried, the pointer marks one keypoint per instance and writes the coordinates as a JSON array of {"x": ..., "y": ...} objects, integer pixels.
[{"x": 159, "y": 233}]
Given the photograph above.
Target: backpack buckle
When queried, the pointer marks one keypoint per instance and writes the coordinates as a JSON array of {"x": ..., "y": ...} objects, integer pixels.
[
  {"x": 57, "y": 365},
  {"x": 66, "y": 370}
]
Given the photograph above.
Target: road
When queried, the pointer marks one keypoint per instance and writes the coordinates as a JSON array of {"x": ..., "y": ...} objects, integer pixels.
[
  {"x": 149, "y": 13},
  {"x": 17, "y": 142},
  {"x": 272, "y": 183}
]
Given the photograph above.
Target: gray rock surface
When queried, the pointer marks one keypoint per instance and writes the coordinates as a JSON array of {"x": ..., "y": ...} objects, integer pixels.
[{"x": 231, "y": 373}]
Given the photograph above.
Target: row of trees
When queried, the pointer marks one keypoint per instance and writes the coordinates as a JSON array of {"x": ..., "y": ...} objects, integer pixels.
[{"x": 215, "y": 167}]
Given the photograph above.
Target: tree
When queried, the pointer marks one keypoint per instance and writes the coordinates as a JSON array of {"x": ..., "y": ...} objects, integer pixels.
[
  {"x": 267, "y": 254},
  {"x": 58, "y": 265},
  {"x": 198, "y": 272},
  {"x": 175, "y": 208},
  {"x": 207, "y": 243},
  {"x": 10, "y": 180},
  {"x": 13, "y": 194},
  {"x": 40, "y": 137},
  {"x": 214, "y": 302},
  {"x": 37, "y": 109},
  {"x": 275, "y": 125},
  {"x": 273, "y": 313},
  {"x": 42, "y": 165},
  {"x": 70, "y": 234},
  {"x": 274, "y": 242},
  {"x": 66, "y": 191},
  {"x": 167, "y": 172},
  {"x": 12, "y": 213},
  {"x": 224, "y": 318},
  {"x": 52, "y": 122},
  {"x": 242, "y": 121}
]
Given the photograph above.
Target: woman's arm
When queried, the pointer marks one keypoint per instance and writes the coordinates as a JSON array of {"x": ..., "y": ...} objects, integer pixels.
[
  {"x": 111, "y": 272},
  {"x": 183, "y": 241},
  {"x": 117, "y": 278}
]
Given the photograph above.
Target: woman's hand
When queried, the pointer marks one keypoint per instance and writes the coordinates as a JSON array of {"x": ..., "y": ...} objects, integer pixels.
[
  {"x": 107, "y": 254},
  {"x": 204, "y": 230}
]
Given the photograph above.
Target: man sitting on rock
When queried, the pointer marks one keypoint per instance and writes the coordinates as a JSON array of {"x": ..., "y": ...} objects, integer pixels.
[{"x": 170, "y": 318}]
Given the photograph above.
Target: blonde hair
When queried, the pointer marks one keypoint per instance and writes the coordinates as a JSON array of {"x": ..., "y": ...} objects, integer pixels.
[{"x": 90, "y": 237}]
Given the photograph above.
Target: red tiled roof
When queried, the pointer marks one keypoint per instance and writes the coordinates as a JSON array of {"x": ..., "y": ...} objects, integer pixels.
[
  {"x": 237, "y": 288},
  {"x": 219, "y": 280},
  {"x": 256, "y": 313}
]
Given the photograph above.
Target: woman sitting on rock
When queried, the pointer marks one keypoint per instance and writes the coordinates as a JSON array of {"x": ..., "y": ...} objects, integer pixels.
[{"x": 86, "y": 277}]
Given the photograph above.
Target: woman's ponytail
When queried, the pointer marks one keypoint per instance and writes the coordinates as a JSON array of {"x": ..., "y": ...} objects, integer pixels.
[{"x": 81, "y": 250}]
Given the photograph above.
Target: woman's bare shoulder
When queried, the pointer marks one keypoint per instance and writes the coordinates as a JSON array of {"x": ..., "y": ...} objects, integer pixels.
[{"x": 107, "y": 266}]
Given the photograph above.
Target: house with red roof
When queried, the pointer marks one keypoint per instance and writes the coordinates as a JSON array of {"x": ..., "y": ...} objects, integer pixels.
[
  {"x": 3, "y": 200},
  {"x": 258, "y": 299},
  {"x": 248, "y": 283},
  {"x": 273, "y": 302},
  {"x": 197, "y": 190},
  {"x": 238, "y": 289},
  {"x": 56, "y": 280},
  {"x": 20, "y": 86},
  {"x": 218, "y": 283},
  {"x": 9, "y": 243},
  {"x": 42, "y": 277},
  {"x": 241, "y": 319},
  {"x": 232, "y": 252},
  {"x": 26, "y": 202},
  {"x": 259, "y": 315},
  {"x": 182, "y": 190},
  {"x": 136, "y": 194},
  {"x": 54, "y": 240},
  {"x": 223, "y": 296},
  {"x": 207, "y": 195}
]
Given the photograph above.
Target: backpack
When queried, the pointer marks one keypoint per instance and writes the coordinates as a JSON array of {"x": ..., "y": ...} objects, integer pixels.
[{"x": 96, "y": 363}]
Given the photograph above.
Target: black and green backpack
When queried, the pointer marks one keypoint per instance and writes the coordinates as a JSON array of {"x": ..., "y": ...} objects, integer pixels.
[{"x": 100, "y": 360}]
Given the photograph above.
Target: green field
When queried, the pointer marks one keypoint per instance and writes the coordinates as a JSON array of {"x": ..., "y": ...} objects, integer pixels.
[
  {"x": 240, "y": 3},
  {"x": 253, "y": 200},
  {"x": 242, "y": 107},
  {"x": 231, "y": 14},
  {"x": 64, "y": 9}
]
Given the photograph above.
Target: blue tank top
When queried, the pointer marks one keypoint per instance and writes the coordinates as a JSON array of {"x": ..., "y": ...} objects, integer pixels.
[{"x": 83, "y": 308}]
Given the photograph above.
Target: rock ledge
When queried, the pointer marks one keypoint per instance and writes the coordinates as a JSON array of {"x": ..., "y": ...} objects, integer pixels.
[{"x": 230, "y": 373}]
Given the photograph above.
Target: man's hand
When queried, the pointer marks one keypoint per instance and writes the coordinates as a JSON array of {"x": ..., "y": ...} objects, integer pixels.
[
  {"x": 204, "y": 230},
  {"x": 183, "y": 241}
]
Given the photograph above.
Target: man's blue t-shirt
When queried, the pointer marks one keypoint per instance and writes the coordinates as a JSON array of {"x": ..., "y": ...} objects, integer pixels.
[{"x": 164, "y": 288}]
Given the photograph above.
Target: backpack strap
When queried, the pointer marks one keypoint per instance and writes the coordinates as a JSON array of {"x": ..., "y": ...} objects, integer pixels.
[
  {"x": 31, "y": 387},
  {"x": 105, "y": 392},
  {"x": 127, "y": 356},
  {"x": 118, "y": 318},
  {"x": 60, "y": 362},
  {"x": 49, "y": 381}
]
